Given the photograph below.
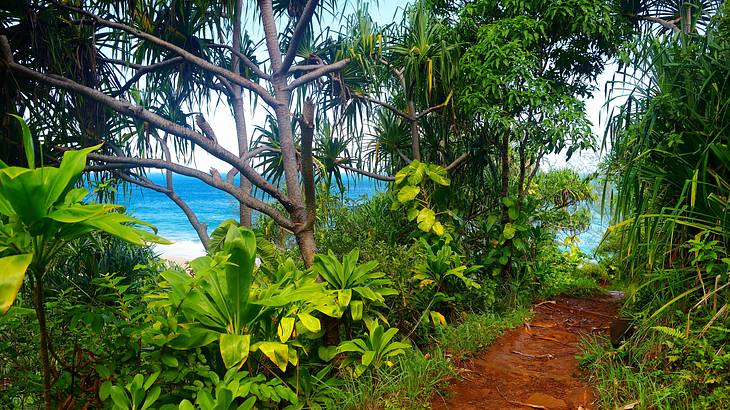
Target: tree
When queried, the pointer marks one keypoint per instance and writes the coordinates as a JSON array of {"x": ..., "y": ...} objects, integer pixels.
[
  {"x": 137, "y": 72},
  {"x": 526, "y": 64},
  {"x": 403, "y": 74}
]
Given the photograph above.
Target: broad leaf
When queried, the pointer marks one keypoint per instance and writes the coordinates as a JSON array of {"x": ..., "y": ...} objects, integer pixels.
[{"x": 12, "y": 273}]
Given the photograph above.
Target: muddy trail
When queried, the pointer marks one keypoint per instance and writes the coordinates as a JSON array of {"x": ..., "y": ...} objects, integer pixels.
[{"x": 535, "y": 366}]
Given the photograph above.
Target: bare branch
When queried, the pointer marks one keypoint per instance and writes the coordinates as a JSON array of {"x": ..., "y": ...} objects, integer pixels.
[
  {"x": 434, "y": 108},
  {"x": 296, "y": 37},
  {"x": 200, "y": 228},
  {"x": 127, "y": 108},
  {"x": 246, "y": 61},
  {"x": 142, "y": 70},
  {"x": 189, "y": 57},
  {"x": 403, "y": 156},
  {"x": 386, "y": 105},
  {"x": 207, "y": 178},
  {"x": 303, "y": 67},
  {"x": 320, "y": 72},
  {"x": 373, "y": 175},
  {"x": 669, "y": 25},
  {"x": 457, "y": 161},
  {"x": 270, "y": 34}
]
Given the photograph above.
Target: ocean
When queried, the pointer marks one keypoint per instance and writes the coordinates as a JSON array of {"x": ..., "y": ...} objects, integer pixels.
[
  {"x": 210, "y": 205},
  {"x": 214, "y": 206}
]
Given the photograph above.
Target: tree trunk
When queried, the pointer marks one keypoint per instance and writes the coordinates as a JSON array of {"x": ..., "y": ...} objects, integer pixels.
[
  {"x": 238, "y": 114},
  {"x": 44, "y": 356},
  {"x": 307, "y": 245},
  {"x": 245, "y": 213},
  {"x": 415, "y": 137},
  {"x": 504, "y": 152}
]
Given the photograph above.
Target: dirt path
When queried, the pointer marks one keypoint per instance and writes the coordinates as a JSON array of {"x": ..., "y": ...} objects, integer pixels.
[{"x": 534, "y": 366}]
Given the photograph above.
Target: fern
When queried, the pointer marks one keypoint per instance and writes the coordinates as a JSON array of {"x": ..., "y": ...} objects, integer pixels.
[{"x": 670, "y": 332}]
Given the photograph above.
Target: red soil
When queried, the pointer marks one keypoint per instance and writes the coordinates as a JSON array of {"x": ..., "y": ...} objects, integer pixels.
[{"x": 535, "y": 366}]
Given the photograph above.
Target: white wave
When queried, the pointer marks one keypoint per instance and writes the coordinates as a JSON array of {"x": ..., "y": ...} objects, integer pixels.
[{"x": 181, "y": 249}]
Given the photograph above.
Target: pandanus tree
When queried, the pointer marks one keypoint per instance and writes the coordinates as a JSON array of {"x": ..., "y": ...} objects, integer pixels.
[
  {"x": 410, "y": 67},
  {"x": 136, "y": 76}
]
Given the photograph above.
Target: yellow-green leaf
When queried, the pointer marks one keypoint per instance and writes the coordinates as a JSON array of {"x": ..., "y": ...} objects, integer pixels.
[
  {"x": 310, "y": 322},
  {"x": 408, "y": 193},
  {"x": 285, "y": 329},
  {"x": 276, "y": 352},
  {"x": 234, "y": 349},
  {"x": 12, "y": 273}
]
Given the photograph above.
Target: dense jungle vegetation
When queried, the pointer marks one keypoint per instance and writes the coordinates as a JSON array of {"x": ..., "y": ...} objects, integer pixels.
[{"x": 306, "y": 300}]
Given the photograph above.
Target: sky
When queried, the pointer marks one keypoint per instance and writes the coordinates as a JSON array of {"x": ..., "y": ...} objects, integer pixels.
[{"x": 383, "y": 12}]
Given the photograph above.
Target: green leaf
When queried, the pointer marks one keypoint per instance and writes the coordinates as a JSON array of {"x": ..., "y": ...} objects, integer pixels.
[
  {"x": 285, "y": 328},
  {"x": 408, "y": 193},
  {"x": 368, "y": 357},
  {"x": 240, "y": 244},
  {"x": 310, "y": 322},
  {"x": 343, "y": 297},
  {"x": 512, "y": 212},
  {"x": 234, "y": 349},
  {"x": 437, "y": 228},
  {"x": 327, "y": 353},
  {"x": 151, "y": 398},
  {"x": 438, "y": 174},
  {"x": 12, "y": 273},
  {"x": 412, "y": 213},
  {"x": 426, "y": 219},
  {"x": 248, "y": 404},
  {"x": 105, "y": 390},
  {"x": 509, "y": 231},
  {"x": 119, "y": 397},
  {"x": 27, "y": 141},
  {"x": 416, "y": 175},
  {"x": 186, "y": 405},
  {"x": 169, "y": 360},
  {"x": 356, "y": 308}
]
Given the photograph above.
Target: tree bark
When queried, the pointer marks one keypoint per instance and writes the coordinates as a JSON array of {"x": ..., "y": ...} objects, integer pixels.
[
  {"x": 43, "y": 329},
  {"x": 504, "y": 153},
  {"x": 236, "y": 101}
]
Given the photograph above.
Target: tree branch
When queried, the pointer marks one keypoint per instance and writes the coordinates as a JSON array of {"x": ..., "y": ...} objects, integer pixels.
[
  {"x": 434, "y": 108},
  {"x": 297, "y": 35},
  {"x": 200, "y": 228},
  {"x": 207, "y": 178},
  {"x": 270, "y": 34},
  {"x": 246, "y": 61},
  {"x": 373, "y": 175},
  {"x": 319, "y": 72},
  {"x": 664, "y": 23},
  {"x": 142, "y": 70},
  {"x": 457, "y": 161},
  {"x": 384, "y": 104},
  {"x": 189, "y": 57},
  {"x": 307, "y": 125},
  {"x": 127, "y": 108}
]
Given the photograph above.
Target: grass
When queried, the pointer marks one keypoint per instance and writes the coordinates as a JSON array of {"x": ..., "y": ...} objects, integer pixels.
[
  {"x": 658, "y": 372},
  {"x": 478, "y": 331},
  {"x": 417, "y": 377}
]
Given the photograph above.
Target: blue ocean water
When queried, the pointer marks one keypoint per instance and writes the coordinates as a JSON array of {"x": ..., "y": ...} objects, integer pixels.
[
  {"x": 214, "y": 206},
  {"x": 211, "y": 205}
]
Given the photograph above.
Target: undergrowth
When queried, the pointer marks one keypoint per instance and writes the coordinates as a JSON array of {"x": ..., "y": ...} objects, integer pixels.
[{"x": 417, "y": 378}]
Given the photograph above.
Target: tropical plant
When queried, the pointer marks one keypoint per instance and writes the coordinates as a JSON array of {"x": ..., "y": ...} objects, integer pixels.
[
  {"x": 374, "y": 350},
  {"x": 41, "y": 213},
  {"x": 220, "y": 303},
  {"x": 356, "y": 285}
]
